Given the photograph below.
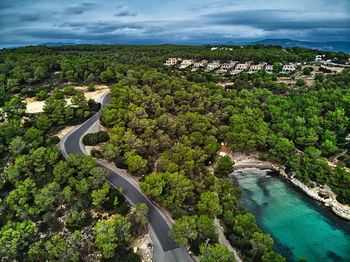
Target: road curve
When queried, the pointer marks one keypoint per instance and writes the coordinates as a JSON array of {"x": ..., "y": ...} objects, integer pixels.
[{"x": 164, "y": 247}]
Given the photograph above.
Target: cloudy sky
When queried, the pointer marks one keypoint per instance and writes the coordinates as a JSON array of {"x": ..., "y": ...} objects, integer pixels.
[{"x": 30, "y": 22}]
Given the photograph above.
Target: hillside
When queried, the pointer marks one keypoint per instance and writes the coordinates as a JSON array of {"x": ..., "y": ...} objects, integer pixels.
[{"x": 325, "y": 46}]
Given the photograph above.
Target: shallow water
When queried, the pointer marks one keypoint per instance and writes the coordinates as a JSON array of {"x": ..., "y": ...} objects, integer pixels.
[{"x": 299, "y": 225}]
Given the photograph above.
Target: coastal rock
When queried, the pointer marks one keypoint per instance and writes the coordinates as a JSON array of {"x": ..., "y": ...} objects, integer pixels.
[{"x": 324, "y": 193}]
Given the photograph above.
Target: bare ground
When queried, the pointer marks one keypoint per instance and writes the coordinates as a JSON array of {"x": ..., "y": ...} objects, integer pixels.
[
  {"x": 143, "y": 246},
  {"x": 64, "y": 131},
  {"x": 34, "y": 106}
]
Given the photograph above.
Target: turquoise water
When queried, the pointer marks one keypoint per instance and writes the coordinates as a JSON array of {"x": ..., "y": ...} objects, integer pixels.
[{"x": 299, "y": 225}]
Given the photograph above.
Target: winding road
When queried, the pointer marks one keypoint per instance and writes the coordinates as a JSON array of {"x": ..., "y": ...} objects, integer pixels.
[{"x": 164, "y": 247}]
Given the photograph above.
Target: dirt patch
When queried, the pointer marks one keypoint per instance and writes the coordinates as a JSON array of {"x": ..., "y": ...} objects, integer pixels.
[
  {"x": 286, "y": 80},
  {"x": 249, "y": 161},
  {"x": 85, "y": 88},
  {"x": 143, "y": 246},
  {"x": 34, "y": 106},
  {"x": 335, "y": 68},
  {"x": 224, "y": 84},
  {"x": 64, "y": 131}
]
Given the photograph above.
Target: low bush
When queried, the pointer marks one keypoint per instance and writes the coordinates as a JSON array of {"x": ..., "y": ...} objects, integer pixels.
[
  {"x": 41, "y": 96},
  {"x": 93, "y": 105},
  {"x": 58, "y": 95},
  {"x": 93, "y": 139},
  {"x": 69, "y": 90},
  {"x": 91, "y": 87},
  {"x": 52, "y": 140},
  {"x": 95, "y": 153}
]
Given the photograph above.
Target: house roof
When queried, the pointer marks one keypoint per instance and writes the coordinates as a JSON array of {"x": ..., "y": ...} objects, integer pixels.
[{"x": 224, "y": 149}]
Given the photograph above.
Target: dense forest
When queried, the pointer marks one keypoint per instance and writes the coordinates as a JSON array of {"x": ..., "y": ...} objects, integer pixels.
[{"x": 165, "y": 126}]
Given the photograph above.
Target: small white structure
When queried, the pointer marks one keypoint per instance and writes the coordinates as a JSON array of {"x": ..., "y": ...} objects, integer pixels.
[
  {"x": 255, "y": 68},
  {"x": 224, "y": 150},
  {"x": 214, "y": 48},
  {"x": 288, "y": 68},
  {"x": 198, "y": 65},
  {"x": 228, "y": 66},
  {"x": 319, "y": 58},
  {"x": 269, "y": 69},
  {"x": 172, "y": 61},
  {"x": 213, "y": 65},
  {"x": 185, "y": 63},
  {"x": 235, "y": 72},
  {"x": 221, "y": 71},
  {"x": 241, "y": 67}
]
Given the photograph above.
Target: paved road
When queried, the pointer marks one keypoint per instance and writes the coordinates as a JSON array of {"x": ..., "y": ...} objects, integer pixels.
[{"x": 168, "y": 250}]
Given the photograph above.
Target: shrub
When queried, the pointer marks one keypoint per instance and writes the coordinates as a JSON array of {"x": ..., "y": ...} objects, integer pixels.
[
  {"x": 120, "y": 162},
  {"x": 301, "y": 82},
  {"x": 224, "y": 166},
  {"x": 93, "y": 139},
  {"x": 262, "y": 156},
  {"x": 91, "y": 87},
  {"x": 69, "y": 90},
  {"x": 53, "y": 140},
  {"x": 78, "y": 220},
  {"x": 178, "y": 213},
  {"x": 347, "y": 161},
  {"x": 307, "y": 71},
  {"x": 324, "y": 70},
  {"x": 123, "y": 255},
  {"x": 41, "y": 96},
  {"x": 93, "y": 105},
  {"x": 90, "y": 139},
  {"x": 58, "y": 95},
  {"x": 102, "y": 136},
  {"x": 95, "y": 153}
]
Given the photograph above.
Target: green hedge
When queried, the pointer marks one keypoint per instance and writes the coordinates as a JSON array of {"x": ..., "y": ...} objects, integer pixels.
[{"x": 93, "y": 139}]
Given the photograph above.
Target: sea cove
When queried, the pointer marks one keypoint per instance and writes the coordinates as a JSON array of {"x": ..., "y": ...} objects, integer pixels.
[{"x": 300, "y": 226}]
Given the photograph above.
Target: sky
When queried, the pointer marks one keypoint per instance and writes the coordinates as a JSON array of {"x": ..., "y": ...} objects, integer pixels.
[{"x": 33, "y": 22}]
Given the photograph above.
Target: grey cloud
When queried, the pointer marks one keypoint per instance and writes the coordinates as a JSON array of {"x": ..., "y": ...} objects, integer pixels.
[
  {"x": 100, "y": 27},
  {"x": 124, "y": 11},
  {"x": 29, "y": 17},
  {"x": 275, "y": 19},
  {"x": 79, "y": 9},
  {"x": 194, "y": 22},
  {"x": 104, "y": 27}
]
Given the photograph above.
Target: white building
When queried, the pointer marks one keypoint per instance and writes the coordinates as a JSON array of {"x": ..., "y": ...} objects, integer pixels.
[
  {"x": 255, "y": 68},
  {"x": 269, "y": 69},
  {"x": 235, "y": 72},
  {"x": 221, "y": 71},
  {"x": 185, "y": 63},
  {"x": 319, "y": 58},
  {"x": 241, "y": 67},
  {"x": 172, "y": 61},
  {"x": 228, "y": 66},
  {"x": 288, "y": 68},
  {"x": 224, "y": 150},
  {"x": 198, "y": 65},
  {"x": 213, "y": 65}
]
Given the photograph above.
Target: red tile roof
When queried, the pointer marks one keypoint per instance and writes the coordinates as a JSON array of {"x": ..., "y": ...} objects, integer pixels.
[{"x": 224, "y": 149}]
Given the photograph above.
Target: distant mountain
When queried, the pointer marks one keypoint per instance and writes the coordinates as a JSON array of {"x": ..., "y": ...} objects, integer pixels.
[
  {"x": 326, "y": 46},
  {"x": 57, "y": 44}
]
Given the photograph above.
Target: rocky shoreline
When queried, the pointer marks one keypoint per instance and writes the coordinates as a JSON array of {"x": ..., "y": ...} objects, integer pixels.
[{"x": 321, "y": 193}]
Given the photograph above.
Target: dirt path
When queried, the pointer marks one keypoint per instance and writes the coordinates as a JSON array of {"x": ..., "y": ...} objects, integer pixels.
[{"x": 334, "y": 160}]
